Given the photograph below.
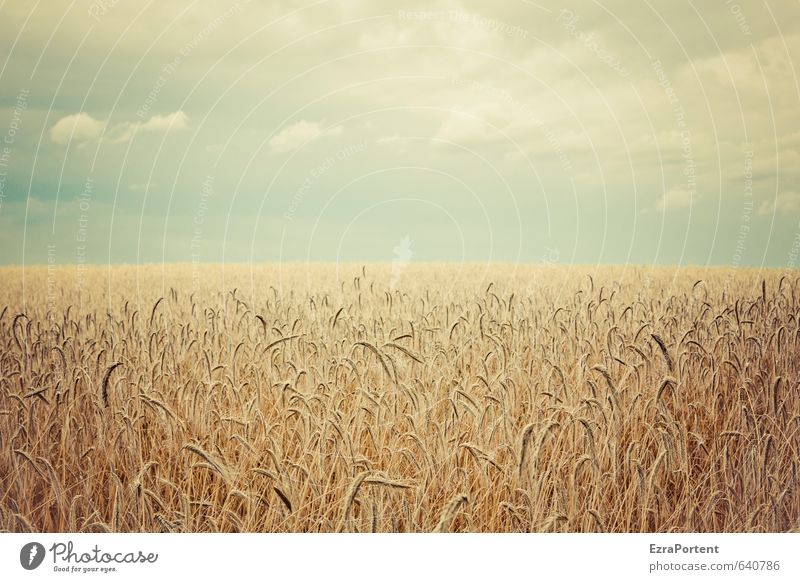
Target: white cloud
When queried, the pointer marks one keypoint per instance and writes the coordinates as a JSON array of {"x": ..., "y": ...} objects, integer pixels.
[
  {"x": 296, "y": 135},
  {"x": 481, "y": 122},
  {"x": 36, "y": 207},
  {"x": 82, "y": 127},
  {"x": 177, "y": 120},
  {"x": 78, "y": 127},
  {"x": 785, "y": 202},
  {"x": 123, "y": 132},
  {"x": 675, "y": 198}
]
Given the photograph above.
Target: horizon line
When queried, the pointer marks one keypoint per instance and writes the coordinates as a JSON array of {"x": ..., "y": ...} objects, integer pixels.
[{"x": 356, "y": 263}]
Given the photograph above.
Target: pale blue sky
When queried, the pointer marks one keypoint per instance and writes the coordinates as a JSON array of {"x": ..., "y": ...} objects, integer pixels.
[{"x": 576, "y": 132}]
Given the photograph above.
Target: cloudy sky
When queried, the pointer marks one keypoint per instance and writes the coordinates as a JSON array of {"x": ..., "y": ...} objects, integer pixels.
[{"x": 274, "y": 130}]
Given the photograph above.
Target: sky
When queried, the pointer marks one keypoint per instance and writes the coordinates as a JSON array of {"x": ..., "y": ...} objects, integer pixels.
[{"x": 578, "y": 132}]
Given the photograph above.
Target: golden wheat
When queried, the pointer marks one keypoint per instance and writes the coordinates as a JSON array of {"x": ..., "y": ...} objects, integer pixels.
[{"x": 463, "y": 398}]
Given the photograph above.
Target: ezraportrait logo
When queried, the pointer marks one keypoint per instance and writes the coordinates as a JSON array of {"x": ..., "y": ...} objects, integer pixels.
[{"x": 31, "y": 555}]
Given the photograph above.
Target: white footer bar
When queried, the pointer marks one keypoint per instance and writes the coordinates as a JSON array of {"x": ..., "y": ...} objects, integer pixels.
[{"x": 381, "y": 557}]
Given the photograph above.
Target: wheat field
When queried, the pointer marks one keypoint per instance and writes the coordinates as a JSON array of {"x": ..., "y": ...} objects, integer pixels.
[{"x": 419, "y": 398}]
